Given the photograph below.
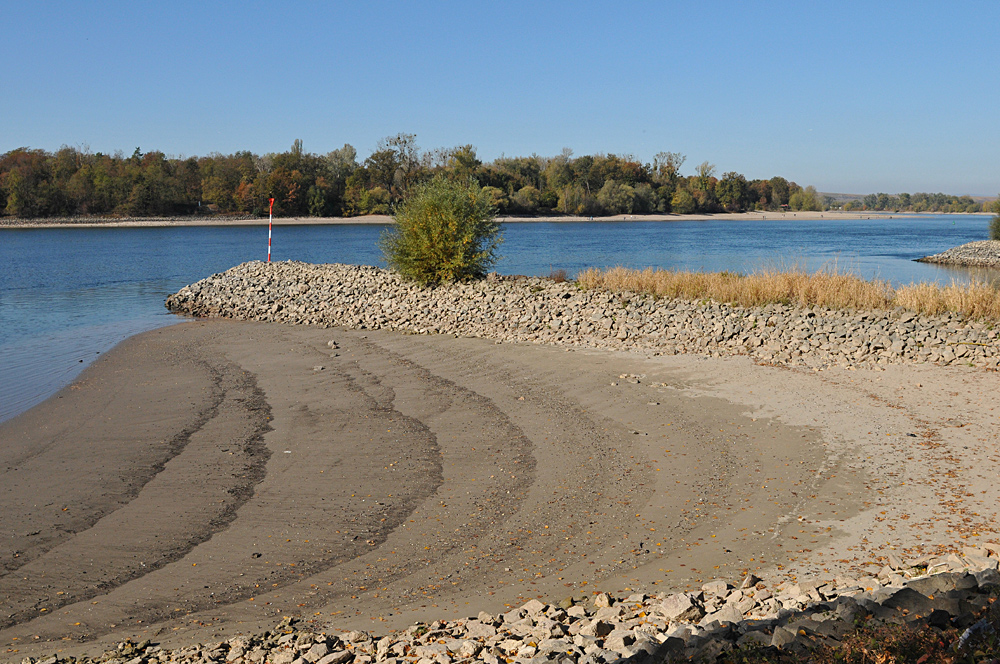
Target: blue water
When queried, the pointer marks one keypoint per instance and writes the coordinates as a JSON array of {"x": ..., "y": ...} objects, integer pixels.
[{"x": 67, "y": 295}]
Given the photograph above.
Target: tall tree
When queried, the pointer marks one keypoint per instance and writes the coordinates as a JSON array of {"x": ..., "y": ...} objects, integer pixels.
[
  {"x": 705, "y": 173},
  {"x": 733, "y": 192}
]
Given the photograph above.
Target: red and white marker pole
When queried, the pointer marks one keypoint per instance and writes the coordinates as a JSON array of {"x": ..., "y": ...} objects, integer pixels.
[{"x": 270, "y": 218}]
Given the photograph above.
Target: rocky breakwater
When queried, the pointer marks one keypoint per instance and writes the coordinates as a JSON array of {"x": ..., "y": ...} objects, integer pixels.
[
  {"x": 540, "y": 310},
  {"x": 985, "y": 253},
  {"x": 956, "y": 602}
]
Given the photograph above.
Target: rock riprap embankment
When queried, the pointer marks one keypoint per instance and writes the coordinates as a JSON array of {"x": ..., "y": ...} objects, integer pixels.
[
  {"x": 540, "y": 310},
  {"x": 601, "y": 629},
  {"x": 985, "y": 253}
]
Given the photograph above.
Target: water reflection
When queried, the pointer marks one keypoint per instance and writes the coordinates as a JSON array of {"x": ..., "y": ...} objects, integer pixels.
[{"x": 956, "y": 274}]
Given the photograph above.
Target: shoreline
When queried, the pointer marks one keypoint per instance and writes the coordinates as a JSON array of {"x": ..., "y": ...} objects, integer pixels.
[
  {"x": 386, "y": 219},
  {"x": 621, "y": 470}
]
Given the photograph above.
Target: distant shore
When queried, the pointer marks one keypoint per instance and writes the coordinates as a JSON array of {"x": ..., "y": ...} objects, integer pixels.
[{"x": 138, "y": 222}]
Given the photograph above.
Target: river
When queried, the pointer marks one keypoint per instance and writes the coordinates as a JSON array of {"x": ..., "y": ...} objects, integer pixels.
[{"x": 69, "y": 294}]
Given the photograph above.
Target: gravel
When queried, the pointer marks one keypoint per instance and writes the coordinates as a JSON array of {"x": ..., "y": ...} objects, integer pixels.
[
  {"x": 532, "y": 309},
  {"x": 601, "y": 628},
  {"x": 985, "y": 253}
]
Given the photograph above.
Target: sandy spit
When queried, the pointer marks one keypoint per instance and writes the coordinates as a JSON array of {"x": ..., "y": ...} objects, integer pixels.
[{"x": 206, "y": 479}]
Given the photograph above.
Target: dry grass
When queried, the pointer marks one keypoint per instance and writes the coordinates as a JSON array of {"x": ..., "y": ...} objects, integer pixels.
[
  {"x": 558, "y": 276},
  {"x": 976, "y": 300},
  {"x": 826, "y": 288}
]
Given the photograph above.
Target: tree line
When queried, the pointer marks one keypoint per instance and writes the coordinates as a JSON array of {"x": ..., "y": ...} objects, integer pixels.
[
  {"x": 72, "y": 181},
  {"x": 919, "y": 202}
]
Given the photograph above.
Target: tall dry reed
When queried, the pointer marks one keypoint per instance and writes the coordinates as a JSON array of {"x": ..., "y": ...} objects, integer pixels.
[{"x": 826, "y": 288}]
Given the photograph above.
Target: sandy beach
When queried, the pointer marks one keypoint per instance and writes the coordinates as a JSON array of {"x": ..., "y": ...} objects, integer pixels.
[
  {"x": 386, "y": 219},
  {"x": 206, "y": 479}
]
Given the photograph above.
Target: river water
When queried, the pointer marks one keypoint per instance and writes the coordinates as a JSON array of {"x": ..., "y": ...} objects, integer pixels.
[{"x": 67, "y": 295}]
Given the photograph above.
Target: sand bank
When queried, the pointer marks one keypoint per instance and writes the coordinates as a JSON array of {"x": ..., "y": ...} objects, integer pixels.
[
  {"x": 386, "y": 219},
  {"x": 206, "y": 479}
]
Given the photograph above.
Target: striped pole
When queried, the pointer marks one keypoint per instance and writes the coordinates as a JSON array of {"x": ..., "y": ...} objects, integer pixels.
[{"x": 270, "y": 218}]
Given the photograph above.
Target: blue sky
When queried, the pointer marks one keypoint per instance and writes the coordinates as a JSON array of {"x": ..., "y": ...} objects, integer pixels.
[{"x": 849, "y": 97}]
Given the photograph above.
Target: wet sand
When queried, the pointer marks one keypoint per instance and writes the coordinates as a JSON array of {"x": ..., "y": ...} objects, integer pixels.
[{"x": 208, "y": 478}]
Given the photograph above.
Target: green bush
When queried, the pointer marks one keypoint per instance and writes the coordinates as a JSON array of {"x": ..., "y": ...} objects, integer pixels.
[
  {"x": 445, "y": 231},
  {"x": 995, "y": 221}
]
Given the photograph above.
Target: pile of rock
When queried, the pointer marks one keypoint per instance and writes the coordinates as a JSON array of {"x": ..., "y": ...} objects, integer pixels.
[
  {"x": 540, "y": 310},
  {"x": 985, "y": 253},
  {"x": 602, "y": 629}
]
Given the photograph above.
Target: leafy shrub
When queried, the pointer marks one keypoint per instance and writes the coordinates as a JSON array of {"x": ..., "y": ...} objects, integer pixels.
[
  {"x": 445, "y": 231},
  {"x": 995, "y": 228},
  {"x": 683, "y": 202}
]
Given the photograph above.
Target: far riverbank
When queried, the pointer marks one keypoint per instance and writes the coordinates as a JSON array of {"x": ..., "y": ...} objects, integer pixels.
[{"x": 138, "y": 222}]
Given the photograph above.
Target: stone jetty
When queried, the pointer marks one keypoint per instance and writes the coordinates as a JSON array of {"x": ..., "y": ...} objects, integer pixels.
[
  {"x": 532, "y": 309},
  {"x": 985, "y": 253}
]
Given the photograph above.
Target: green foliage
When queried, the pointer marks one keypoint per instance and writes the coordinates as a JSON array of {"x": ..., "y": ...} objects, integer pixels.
[
  {"x": 496, "y": 197},
  {"x": 733, "y": 192},
  {"x": 445, "y": 231},
  {"x": 526, "y": 200},
  {"x": 646, "y": 200},
  {"x": 683, "y": 202},
  {"x": 805, "y": 199},
  {"x": 780, "y": 191},
  {"x": 667, "y": 168},
  {"x": 995, "y": 221},
  {"x": 706, "y": 171},
  {"x": 575, "y": 199},
  {"x": 616, "y": 198},
  {"x": 918, "y": 202}
]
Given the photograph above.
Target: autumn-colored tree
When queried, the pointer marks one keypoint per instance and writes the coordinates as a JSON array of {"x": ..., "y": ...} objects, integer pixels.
[{"x": 74, "y": 181}]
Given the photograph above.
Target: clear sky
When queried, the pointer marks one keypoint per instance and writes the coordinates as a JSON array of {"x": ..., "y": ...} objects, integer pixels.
[{"x": 852, "y": 97}]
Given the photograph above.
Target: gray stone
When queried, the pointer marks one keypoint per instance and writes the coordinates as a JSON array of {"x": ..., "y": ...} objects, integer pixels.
[
  {"x": 728, "y": 613},
  {"x": 618, "y": 639},
  {"x": 284, "y": 657},
  {"x": 681, "y": 606},
  {"x": 598, "y": 628},
  {"x": 782, "y": 637},
  {"x": 478, "y": 630},
  {"x": 610, "y": 612},
  {"x": 939, "y": 583},
  {"x": 338, "y": 657},
  {"x": 602, "y": 600},
  {"x": 533, "y": 607},
  {"x": 988, "y": 578},
  {"x": 719, "y": 588}
]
